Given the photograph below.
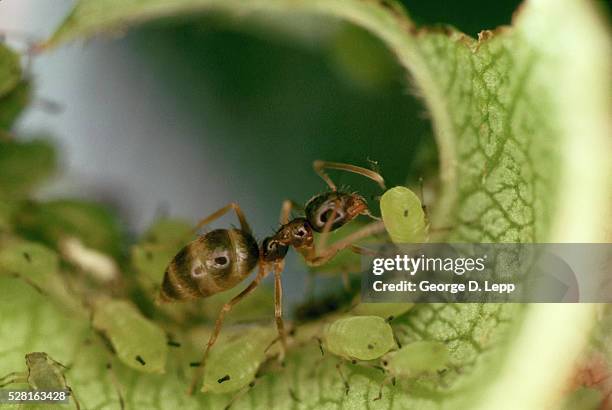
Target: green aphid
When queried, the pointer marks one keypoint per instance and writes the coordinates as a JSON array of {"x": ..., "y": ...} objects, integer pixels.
[
  {"x": 403, "y": 216},
  {"x": 417, "y": 358},
  {"x": 43, "y": 373},
  {"x": 359, "y": 337},
  {"x": 169, "y": 231},
  {"x": 138, "y": 342},
  {"x": 38, "y": 266},
  {"x": 157, "y": 247},
  {"x": 234, "y": 361}
]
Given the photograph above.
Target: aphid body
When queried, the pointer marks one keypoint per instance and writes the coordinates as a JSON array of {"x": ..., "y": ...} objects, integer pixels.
[
  {"x": 137, "y": 341},
  {"x": 417, "y": 358},
  {"x": 43, "y": 373},
  {"x": 403, "y": 216},
  {"x": 359, "y": 337},
  {"x": 234, "y": 362}
]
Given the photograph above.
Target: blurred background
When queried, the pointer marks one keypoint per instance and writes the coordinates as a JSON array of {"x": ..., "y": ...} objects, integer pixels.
[{"x": 180, "y": 119}]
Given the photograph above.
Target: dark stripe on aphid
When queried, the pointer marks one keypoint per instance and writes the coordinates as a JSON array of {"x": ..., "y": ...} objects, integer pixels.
[
  {"x": 173, "y": 343},
  {"x": 195, "y": 364},
  {"x": 140, "y": 360},
  {"x": 224, "y": 379},
  {"x": 27, "y": 257}
]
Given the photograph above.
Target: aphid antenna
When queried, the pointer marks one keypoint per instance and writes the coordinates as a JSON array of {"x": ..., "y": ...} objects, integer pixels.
[{"x": 422, "y": 195}]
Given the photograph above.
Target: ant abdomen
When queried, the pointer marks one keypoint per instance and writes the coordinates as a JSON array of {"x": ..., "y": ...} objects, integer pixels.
[
  {"x": 347, "y": 206},
  {"x": 212, "y": 263}
]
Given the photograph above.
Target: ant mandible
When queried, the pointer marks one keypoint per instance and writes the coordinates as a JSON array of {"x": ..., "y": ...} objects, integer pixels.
[{"x": 222, "y": 258}]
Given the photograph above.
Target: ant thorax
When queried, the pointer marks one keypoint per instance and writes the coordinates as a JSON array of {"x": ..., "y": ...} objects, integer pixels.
[
  {"x": 296, "y": 233},
  {"x": 346, "y": 206}
]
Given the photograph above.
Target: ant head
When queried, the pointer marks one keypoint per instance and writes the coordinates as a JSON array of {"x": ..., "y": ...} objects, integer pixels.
[
  {"x": 344, "y": 206},
  {"x": 273, "y": 250}
]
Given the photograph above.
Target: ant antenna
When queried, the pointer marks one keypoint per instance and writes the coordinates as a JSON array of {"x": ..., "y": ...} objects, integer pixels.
[{"x": 422, "y": 194}]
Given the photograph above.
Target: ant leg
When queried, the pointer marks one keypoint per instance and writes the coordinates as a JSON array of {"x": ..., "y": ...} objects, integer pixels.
[
  {"x": 346, "y": 282},
  {"x": 220, "y": 212},
  {"x": 328, "y": 225},
  {"x": 278, "y": 310},
  {"x": 324, "y": 255},
  {"x": 14, "y": 377},
  {"x": 319, "y": 167},
  {"x": 213, "y": 337},
  {"x": 288, "y": 206},
  {"x": 310, "y": 285}
]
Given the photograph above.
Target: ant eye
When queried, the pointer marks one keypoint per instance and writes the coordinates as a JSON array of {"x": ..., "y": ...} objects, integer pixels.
[{"x": 300, "y": 232}]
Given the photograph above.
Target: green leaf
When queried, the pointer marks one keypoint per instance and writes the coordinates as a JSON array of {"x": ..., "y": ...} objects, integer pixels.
[
  {"x": 10, "y": 70},
  {"x": 522, "y": 121},
  {"x": 12, "y": 104},
  {"x": 50, "y": 222},
  {"x": 31, "y": 322},
  {"x": 24, "y": 165}
]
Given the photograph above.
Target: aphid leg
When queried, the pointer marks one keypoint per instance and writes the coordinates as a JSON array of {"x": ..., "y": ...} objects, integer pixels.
[
  {"x": 199, "y": 372},
  {"x": 278, "y": 310},
  {"x": 240, "y": 393},
  {"x": 319, "y": 167},
  {"x": 116, "y": 384},
  {"x": 347, "y": 387},
  {"x": 74, "y": 398},
  {"x": 220, "y": 212},
  {"x": 14, "y": 377},
  {"x": 315, "y": 366},
  {"x": 382, "y": 385},
  {"x": 324, "y": 255}
]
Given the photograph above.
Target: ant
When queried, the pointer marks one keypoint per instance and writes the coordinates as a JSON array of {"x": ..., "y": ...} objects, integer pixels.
[{"x": 222, "y": 258}]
